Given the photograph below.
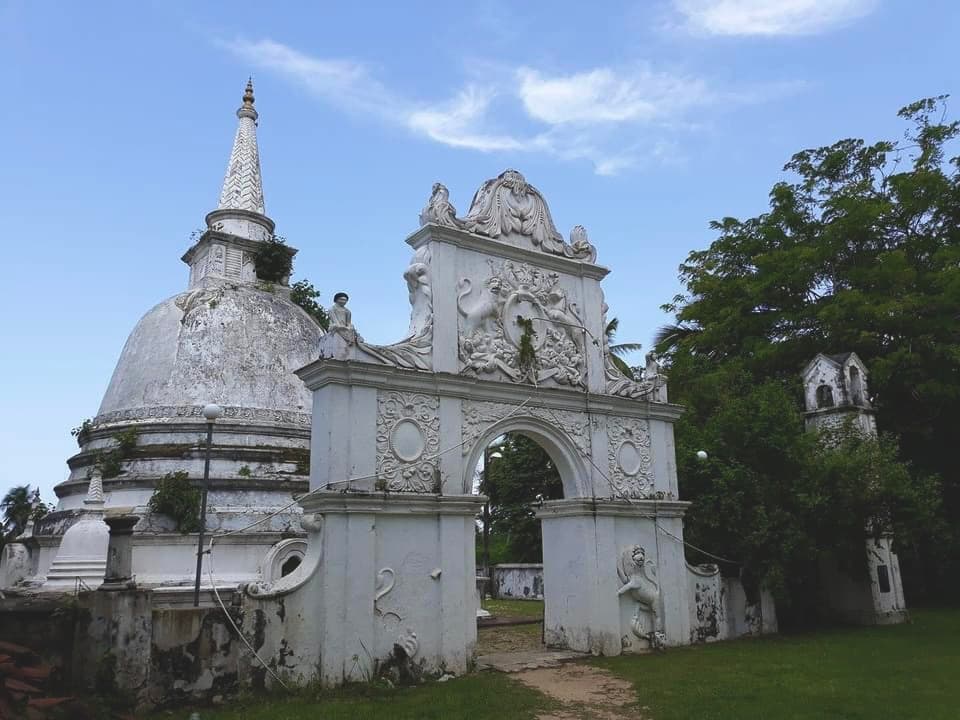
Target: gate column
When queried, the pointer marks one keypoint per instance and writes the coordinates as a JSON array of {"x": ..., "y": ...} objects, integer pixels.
[{"x": 590, "y": 554}]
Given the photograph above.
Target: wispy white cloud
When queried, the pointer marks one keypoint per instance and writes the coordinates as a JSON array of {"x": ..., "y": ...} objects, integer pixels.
[
  {"x": 456, "y": 123},
  {"x": 577, "y": 116},
  {"x": 770, "y": 17},
  {"x": 343, "y": 82},
  {"x": 605, "y": 96}
]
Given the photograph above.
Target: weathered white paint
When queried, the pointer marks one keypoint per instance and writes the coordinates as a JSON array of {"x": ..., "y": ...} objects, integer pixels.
[
  {"x": 721, "y": 610},
  {"x": 517, "y": 581}
]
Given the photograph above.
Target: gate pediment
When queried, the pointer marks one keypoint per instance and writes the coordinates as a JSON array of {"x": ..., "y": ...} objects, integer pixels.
[{"x": 507, "y": 325}]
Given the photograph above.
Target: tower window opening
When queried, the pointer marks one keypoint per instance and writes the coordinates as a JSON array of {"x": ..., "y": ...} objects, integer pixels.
[
  {"x": 824, "y": 396},
  {"x": 883, "y": 578}
]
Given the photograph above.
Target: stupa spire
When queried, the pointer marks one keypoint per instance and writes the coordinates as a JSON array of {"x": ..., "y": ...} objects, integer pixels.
[
  {"x": 242, "y": 186},
  {"x": 240, "y": 213}
]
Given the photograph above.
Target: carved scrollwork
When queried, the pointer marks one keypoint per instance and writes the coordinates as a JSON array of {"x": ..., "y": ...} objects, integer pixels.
[
  {"x": 414, "y": 351},
  {"x": 509, "y": 205},
  {"x": 408, "y": 439},
  {"x": 628, "y": 452},
  {"x": 479, "y": 416},
  {"x": 490, "y": 335}
]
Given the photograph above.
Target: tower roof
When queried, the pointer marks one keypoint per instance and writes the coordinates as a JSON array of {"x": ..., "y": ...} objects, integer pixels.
[{"x": 242, "y": 186}]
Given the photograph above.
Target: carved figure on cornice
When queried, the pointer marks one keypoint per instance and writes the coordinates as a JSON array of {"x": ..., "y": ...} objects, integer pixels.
[
  {"x": 617, "y": 382},
  {"x": 639, "y": 578},
  {"x": 420, "y": 293},
  {"x": 415, "y": 350},
  {"x": 341, "y": 319},
  {"x": 439, "y": 209},
  {"x": 580, "y": 244},
  {"x": 490, "y": 334},
  {"x": 629, "y": 459},
  {"x": 509, "y": 205},
  {"x": 408, "y": 440}
]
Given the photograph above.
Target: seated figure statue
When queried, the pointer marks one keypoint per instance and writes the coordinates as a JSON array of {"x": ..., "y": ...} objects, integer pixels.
[
  {"x": 341, "y": 339},
  {"x": 341, "y": 318}
]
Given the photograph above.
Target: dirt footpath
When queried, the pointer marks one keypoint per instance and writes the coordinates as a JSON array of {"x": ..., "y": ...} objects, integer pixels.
[{"x": 585, "y": 692}]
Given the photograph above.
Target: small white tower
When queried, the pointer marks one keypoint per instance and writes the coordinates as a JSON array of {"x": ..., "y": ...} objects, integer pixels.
[{"x": 835, "y": 390}]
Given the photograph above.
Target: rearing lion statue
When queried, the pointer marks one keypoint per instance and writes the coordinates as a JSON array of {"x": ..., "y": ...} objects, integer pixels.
[{"x": 639, "y": 578}]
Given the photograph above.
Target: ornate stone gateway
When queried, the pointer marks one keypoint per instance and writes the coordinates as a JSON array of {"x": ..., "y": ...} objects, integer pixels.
[{"x": 506, "y": 335}]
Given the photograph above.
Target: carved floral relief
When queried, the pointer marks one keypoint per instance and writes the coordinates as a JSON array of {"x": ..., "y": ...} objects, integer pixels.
[
  {"x": 408, "y": 440},
  {"x": 490, "y": 336},
  {"x": 629, "y": 458}
]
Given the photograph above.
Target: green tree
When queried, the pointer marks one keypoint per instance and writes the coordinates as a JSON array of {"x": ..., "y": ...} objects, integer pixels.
[
  {"x": 304, "y": 294},
  {"x": 513, "y": 483},
  {"x": 18, "y": 506},
  {"x": 860, "y": 250}
]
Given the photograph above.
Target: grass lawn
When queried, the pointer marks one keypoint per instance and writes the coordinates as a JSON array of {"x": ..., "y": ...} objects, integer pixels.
[
  {"x": 904, "y": 671},
  {"x": 514, "y": 608},
  {"x": 482, "y": 695},
  {"x": 900, "y": 672}
]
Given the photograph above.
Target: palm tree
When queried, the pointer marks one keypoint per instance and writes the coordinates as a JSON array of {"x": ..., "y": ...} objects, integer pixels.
[
  {"x": 620, "y": 350},
  {"x": 669, "y": 337},
  {"x": 18, "y": 506}
]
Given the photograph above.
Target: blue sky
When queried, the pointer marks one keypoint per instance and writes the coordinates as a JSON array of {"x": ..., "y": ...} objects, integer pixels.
[{"x": 642, "y": 121}]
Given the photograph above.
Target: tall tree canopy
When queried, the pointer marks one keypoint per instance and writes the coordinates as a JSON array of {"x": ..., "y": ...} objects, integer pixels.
[
  {"x": 860, "y": 250},
  {"x": 513, "y": 481}
]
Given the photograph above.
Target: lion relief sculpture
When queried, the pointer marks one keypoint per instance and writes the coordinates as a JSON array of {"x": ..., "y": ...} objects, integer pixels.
[{"x": 639, "y": 578}]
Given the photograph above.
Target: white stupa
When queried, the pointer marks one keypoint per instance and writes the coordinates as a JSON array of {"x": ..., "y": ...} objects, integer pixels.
[{"x": 229, "y": 339}]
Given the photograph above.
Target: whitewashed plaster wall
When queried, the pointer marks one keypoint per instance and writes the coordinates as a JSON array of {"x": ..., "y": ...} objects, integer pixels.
[
  {"x": 379, "y": 573},
  {"x": 721, "y": 610},
  {"x": 583, "y": 607},
  {"x": 517, "y": 581}
]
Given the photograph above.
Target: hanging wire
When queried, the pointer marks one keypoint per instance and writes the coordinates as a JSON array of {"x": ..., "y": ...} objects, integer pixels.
[
  {"x": 213, "y": 538},
  {"x": 630, "y": 501}
]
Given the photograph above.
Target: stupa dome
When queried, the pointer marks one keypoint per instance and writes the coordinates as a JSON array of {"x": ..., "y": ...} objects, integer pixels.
[
  {"x": 234, "y": 344},
  {"x": 234, "y": 339}
]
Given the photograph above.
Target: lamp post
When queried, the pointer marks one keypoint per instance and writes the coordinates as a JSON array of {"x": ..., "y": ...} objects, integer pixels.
[
  {"x": 487, "y": 457},
  {"x": 211, "y": 412}
]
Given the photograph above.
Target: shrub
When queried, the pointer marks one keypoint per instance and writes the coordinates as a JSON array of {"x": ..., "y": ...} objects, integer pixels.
[{"x": 177, "y": 498}]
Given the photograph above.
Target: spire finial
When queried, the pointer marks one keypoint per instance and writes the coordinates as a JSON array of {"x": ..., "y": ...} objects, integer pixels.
[{"x": 242, "y": 189}]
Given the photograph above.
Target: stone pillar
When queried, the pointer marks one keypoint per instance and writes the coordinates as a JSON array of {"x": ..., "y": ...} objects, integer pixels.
[
  {"x": 119, "y": 574},
  {"x": 584, "y": 544},
  {"x": 398, "y": 570}
]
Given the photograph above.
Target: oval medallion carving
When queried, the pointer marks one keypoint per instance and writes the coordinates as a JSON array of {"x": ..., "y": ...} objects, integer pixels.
[
  {"x": 407, "y": 440},
  {"x": 519, "y": 305},
  {"x": 630, "y": 458}
]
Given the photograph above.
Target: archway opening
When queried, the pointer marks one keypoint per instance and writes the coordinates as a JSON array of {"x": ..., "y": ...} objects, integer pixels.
[{"x": 517, "y": 474}]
